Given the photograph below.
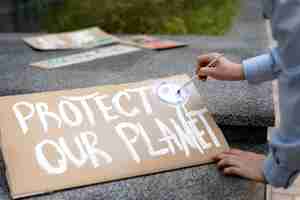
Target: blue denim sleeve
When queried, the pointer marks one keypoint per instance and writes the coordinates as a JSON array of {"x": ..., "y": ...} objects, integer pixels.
[
  {"x": 262, "y": 68},
  {"x": 282, "y": 165}
]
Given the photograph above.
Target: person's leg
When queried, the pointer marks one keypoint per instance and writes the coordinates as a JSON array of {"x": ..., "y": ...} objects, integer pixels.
[{"x": 241, "y": 163}]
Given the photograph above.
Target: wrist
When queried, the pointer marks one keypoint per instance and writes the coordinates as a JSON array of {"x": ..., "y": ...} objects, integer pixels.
[{"x": 239, "y": 72}]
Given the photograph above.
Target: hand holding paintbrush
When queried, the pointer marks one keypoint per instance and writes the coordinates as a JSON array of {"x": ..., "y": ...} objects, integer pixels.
[
  {"x": 198, "y": 75},
  {"x": 218, "y": 67},
  {"x": 207, "y": 63},
  {"x": 222, "y": 69}
]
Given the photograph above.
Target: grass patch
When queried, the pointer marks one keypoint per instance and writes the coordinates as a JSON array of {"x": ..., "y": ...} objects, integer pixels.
[{"x": 204, "y": 17}]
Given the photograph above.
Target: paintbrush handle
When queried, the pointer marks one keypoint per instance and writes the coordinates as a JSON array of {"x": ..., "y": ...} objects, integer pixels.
[
  {"x": 188, "y": 82},
  {"x": 196, "y": 75},
  {"x": 214, "y": 60}
]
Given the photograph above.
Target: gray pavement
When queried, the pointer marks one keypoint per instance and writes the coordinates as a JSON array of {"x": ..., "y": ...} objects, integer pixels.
[{"x": 236, "y": 106}]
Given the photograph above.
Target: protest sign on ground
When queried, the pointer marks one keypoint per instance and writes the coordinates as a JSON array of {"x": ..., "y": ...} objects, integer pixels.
[{"x": 57, "y": 140}]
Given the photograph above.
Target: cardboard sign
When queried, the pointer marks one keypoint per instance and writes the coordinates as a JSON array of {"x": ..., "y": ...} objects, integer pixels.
[
  {"x": 87, "y": 38},
  {"x": 56, "y": 140},
  {"x": 85, "y": 57},
  {"x": 149, "y": 42}
]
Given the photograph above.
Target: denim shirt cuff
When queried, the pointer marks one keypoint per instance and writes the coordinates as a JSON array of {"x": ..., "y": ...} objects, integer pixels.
[
  {"x": 276, "y": 174},
  {"x": 258, "y": 69}
]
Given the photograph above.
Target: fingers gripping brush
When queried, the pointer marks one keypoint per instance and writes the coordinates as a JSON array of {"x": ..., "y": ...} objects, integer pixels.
[
  {"x": 197, "y": 75},
  {"x": 174, "y": 94}
]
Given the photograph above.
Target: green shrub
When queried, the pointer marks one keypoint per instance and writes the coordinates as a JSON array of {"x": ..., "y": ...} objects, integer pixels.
[{"x": 212, "y": 17}]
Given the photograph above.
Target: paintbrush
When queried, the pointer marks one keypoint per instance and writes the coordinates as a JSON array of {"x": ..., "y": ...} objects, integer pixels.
[{"x": 196, "y": 75}]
